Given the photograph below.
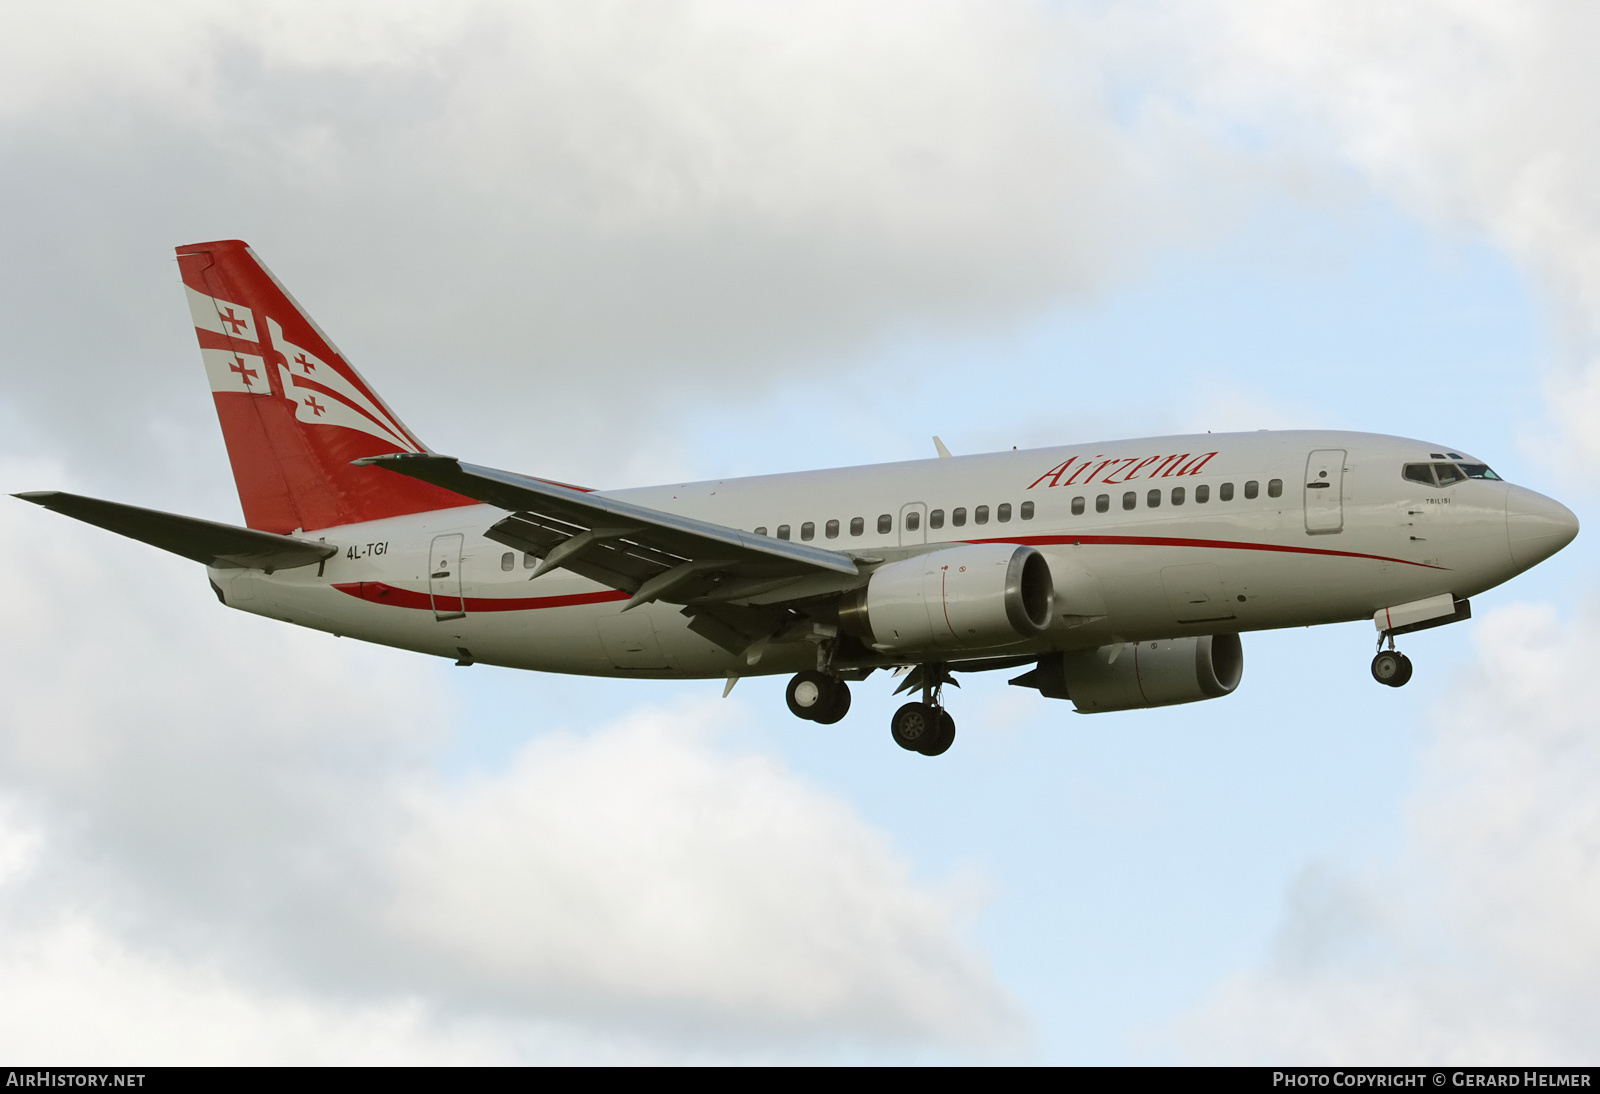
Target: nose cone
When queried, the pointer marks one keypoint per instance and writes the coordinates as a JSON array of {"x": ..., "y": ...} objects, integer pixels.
[{"x": 1536, "y": 526}]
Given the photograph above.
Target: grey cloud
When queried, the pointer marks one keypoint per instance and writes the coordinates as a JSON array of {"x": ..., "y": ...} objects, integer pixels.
[
  {"x": 214, "y": 796},
  {"x": 531, "y": 207},
  {"x": 1478, "y": 943}
]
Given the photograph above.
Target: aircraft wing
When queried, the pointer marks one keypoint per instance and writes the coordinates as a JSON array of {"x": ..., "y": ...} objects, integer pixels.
[
  {"x": 648, "y": 553},
  {"x": 201, "y": 540}
]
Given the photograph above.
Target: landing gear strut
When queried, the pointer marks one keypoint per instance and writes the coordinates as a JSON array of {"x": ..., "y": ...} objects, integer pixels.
[
  {"x": 818, "y": 697},
  {"x": 925, "y": 727},
  {"x": 1391, "y": 667}
]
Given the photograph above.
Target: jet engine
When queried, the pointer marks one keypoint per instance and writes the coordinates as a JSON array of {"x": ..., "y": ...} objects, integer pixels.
[
  {"x": 1141, "y": 674},
  {"x": 968, "y": 597}
]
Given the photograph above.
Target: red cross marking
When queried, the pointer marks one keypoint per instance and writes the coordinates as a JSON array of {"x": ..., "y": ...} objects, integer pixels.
[
  {"x": 237, "y": 324},
  {"x": 316, "y": 408},
  {"x": 245, "y": 374},
  {"x": 305, "y": 365}
]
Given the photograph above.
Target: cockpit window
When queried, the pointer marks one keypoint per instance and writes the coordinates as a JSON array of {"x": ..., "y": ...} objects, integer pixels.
[{"x": 1445, "y": 473}]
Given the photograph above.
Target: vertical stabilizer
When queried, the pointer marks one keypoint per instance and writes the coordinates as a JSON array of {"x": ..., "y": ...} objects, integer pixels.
[{"x": 294, "y": 412}]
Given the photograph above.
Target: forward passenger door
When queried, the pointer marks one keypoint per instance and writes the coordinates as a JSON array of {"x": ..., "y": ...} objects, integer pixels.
[{"x": 1324, "y": 492}]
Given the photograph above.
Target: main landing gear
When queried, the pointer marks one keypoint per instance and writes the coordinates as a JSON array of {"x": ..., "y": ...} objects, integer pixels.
[
  {"x": 923, "y": 727},
  {"x": 818, "y": 697},
  {"x": 1391, "y": 667}
]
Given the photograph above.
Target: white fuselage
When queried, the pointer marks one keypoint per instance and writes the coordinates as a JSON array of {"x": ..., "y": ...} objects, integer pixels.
[{"x": 1290, "y": 555}]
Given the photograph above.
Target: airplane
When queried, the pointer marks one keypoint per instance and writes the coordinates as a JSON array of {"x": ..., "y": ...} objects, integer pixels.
[{"x": 1118, "y": 575}]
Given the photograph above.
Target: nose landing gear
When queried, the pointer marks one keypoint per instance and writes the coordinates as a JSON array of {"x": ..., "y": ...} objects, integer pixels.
[{"x": 1391, "y": 667}]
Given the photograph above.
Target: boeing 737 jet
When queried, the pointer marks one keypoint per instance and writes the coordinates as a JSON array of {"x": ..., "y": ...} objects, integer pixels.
[{"x": 1116, "y": 575}]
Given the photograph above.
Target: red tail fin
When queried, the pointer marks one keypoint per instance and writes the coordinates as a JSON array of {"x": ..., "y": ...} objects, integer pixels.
[{"x": 294, "y": 412}]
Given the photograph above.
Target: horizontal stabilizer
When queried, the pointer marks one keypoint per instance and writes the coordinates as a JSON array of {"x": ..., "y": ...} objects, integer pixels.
[{"x": 201, "y": 540}]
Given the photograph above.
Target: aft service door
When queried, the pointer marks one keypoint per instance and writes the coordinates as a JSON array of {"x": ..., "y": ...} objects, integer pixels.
[
  {"x": 444, "y": 577},
  {"x": 1325, "y": 492}
]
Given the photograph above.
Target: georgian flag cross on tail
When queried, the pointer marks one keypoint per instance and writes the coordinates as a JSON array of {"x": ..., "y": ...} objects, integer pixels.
[{"x": 294, "y": 412}]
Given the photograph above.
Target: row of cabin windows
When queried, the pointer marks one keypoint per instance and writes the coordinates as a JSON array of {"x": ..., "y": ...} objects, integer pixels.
[
  {"x": 1202, "y": 495},
  {"x": 958, "y": 519},
  {"x": 508, "y": 561},
  {"x": 980, "y": 514}
]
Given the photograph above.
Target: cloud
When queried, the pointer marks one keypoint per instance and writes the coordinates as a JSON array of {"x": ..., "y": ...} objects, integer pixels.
[
  {"x": 207, "y": 813},
  {"x": 639, "y": 868},
  {"x": 1476, "y": 116},
  {"x": 603, "y": 208},
  {"x": 1480, "y": 941}
]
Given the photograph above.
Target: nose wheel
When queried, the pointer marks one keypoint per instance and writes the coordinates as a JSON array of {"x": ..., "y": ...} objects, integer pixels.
[{"x": 1392, "y": 668}]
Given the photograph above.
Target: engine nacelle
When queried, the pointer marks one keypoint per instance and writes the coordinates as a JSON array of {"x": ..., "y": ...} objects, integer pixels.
[
  {"x": 968, "y": 597},
  {"x": 1141, "y": 674}
]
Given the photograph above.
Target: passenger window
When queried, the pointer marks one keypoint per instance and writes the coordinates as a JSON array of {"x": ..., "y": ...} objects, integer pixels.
[
  {"x": 857, "y": 525},
  {"x": 913, "y": 521},
  {"x": 1252, "y": 489},
  {"x": 1130, "y": 499},
  {"x": 1003, "y": 513},
  {"x": 508, "y": 560},
  {"x": 783, "y": 531},
  {"x": 1077, "y": 506},
  {"x": 1177, "y": 495},
  {"x": 980, "y": 515},
  {"x": 1153, "y": 499},
  {"x": 958, "y": 517},
  {"x": 1448, "y": 473},
  {"x": 761, "y": 531},
  {"x": 885, "y": 524},
  {"x": 808, "y": 530},
  {"x": 529, "y": 562},
  {"x": 1102, "y": 503},
  {"x": 1202, "y": 494},
  {"x": 1225, "y": 491},
  {"x": 1027, "y": 510},
  {"x": 1275, "y": 488},
  {"x": 936, "y": 519},
  {"x": 831, "y": 529}
]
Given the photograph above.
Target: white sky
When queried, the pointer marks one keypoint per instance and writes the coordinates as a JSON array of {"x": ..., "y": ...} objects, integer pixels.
[{"x": 631, "y": 243}]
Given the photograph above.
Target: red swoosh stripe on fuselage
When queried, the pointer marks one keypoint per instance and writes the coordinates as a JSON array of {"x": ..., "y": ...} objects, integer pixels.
[
  {"x": 379, "y": 593},
  {"x": 1219, "y": 544}
]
